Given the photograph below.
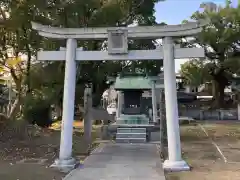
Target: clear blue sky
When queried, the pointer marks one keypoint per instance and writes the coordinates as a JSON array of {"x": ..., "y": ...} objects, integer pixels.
[{"x": 174, "y": 11}]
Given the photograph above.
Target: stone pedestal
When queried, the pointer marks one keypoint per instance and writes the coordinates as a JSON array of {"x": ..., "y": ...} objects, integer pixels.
[
  {"x": 64, "y": 165},
  {"x": 175, "y": 166}
]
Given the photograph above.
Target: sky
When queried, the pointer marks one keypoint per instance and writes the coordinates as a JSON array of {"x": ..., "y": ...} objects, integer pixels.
[{"x": 174, "y": 11}]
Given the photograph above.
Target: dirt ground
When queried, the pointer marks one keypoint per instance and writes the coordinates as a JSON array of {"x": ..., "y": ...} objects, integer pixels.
[
  {"x": 28, "y": 158},
  {"x": 202, "y": 155}
]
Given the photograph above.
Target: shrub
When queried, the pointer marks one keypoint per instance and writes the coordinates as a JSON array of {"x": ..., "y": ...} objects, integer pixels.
[{"x": 37, "y": 110}]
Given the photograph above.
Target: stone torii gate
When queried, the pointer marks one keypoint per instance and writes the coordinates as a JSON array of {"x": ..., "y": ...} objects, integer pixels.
[{"x": 118, "y": 50}]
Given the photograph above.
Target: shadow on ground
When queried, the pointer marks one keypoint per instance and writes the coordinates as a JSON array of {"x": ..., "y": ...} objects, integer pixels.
[{"x": 28, "y": 157}]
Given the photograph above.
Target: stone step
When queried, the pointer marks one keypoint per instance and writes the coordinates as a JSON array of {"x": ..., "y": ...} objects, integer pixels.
[
  {"x": 131, "y": 121},
  {"x": 130, "y": 140},
  {"x": 139, "y": 130},
  {"x": 124, "y": 130},
  {"x": 133, "y": 116},
  {"x": 131, "y": 130},
  {"x": 131, "y": 135}
]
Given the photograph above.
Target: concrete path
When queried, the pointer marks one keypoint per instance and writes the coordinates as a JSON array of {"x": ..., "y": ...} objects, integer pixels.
[{"x": 121, "y": 162}]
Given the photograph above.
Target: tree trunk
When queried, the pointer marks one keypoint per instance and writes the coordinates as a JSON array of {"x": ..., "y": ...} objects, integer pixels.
[
  {"x": 221, "y": 88},
  {"x": 58, "y": 110},
  {"x": 218, "y": 94},
  {"x": 28, "y": 71},
  {"x": 15, "y": 107}
]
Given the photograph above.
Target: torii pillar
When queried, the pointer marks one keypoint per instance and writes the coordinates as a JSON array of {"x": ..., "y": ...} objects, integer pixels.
[
  {"x": 65, "y": 161},
  {"x": 174, "y": 162}
]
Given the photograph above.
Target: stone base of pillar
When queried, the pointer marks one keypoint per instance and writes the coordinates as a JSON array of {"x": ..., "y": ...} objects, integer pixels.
[
  {"x": 65, "y": 165},
  {"x": 175, "y": 166}
]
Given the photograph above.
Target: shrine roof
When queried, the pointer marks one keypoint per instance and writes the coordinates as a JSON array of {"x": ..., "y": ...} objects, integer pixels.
[{"x": 138, "y": 82}]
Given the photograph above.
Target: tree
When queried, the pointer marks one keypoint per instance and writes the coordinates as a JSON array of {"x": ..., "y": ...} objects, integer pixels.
[
  {"x": 102, "y": 13},
  {"x": 193, "y": 72},
  {"x": 220, "y": 39},
  {"x": 17, "y": 39},
  {"x": 17, "y": 36},
  {"x": 90, "y": 13}
]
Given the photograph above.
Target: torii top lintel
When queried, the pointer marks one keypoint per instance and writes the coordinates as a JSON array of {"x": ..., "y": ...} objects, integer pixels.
[{"x": 138, "y": 32}]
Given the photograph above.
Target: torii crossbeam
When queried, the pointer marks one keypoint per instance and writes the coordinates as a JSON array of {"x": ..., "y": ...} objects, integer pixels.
[{"x": 157, "y": 54}]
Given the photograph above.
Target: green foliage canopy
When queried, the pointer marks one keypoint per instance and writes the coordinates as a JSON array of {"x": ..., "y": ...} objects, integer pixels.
[{"x": 221, "y": 41}]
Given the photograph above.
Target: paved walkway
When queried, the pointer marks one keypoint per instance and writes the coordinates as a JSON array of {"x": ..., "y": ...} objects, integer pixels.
[{"x": 121, "y": 162}]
